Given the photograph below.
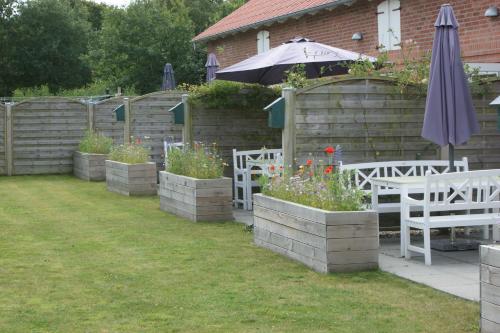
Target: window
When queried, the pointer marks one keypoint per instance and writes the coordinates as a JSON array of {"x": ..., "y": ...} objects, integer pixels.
[
  {"x": 262, "y": 41},
  {"x": 389, "y": 25}
]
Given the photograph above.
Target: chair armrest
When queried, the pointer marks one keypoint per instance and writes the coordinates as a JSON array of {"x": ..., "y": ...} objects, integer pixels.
[{"x": 412, "y": 202}]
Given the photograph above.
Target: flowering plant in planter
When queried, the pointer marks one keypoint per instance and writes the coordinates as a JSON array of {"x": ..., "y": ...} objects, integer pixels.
[
  {"x": 316, "y": 185},
  {"x": 199, "y": 161}
]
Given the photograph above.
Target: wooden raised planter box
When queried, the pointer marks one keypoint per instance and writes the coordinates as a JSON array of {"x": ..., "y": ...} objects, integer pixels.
[
  {"x": 89, "y": 166},
  {"x": 323, "y": 240},
  {"x": 490, "y": 289},
  {"x": 131, "y": 179},
  {"x": 196, "y": 199}
]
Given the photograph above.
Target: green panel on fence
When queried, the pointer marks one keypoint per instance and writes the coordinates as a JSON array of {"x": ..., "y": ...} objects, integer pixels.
[
  {"x": 496, "y": 102},
  {"x": 178, "y": 111},
  {"x": 120, "y": 113},
  {"x": 276, "y": 117},
  {"x": 498, "y": 119}
]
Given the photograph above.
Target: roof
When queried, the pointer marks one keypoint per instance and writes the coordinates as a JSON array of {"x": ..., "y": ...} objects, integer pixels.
[{"x": 256, "y": 13}]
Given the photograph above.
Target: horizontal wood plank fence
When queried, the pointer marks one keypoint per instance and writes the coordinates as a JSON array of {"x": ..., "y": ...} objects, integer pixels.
[
  {"x": 104, "y": 120},
  {"x": 152, "y": 122},
  {"x": 373, "y": 121},
  {"x": 369, "y": 118},
  {"x": 45, "y": 133},
  {"x": 3, "y": 168},
  {"x": 39, "y": 136},
  {"x": 235, "y": 128}
]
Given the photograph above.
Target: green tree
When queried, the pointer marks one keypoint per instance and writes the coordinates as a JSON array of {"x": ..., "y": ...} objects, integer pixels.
[
  {"x": 49, "y": 39},
  {"x": 136, "y": 42},
  {"x": 7, "y": 9}
]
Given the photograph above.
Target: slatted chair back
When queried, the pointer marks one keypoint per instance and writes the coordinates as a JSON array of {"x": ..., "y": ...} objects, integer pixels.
[
  {"x": 242, "y": 176},
  {"x": 462, "y": 192},
  {"x": 364, "y": 172}
]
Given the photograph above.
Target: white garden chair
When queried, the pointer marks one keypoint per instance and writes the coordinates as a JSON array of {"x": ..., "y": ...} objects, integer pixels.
[{"x": 248, "y": 165}]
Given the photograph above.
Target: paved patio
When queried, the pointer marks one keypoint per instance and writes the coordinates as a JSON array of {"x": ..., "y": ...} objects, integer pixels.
[{"x": 456, "y": 273}]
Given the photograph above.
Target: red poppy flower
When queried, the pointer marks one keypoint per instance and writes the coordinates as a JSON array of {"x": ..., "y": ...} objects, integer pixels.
[
  {"x": 271, "y": 167},
  {"x": 329, "y": 150},
  {"x": 328, "y": 169},
  {"x": 309, "y": 162}
]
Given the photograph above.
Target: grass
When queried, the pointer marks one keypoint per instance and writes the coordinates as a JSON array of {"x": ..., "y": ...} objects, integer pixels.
[{"x": 76, "y": 258}]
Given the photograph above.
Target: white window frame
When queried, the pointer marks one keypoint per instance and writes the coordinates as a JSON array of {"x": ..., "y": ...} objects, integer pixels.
[
  {"x": 389, "y": 25},
  {"x": 263, "y": 41}
]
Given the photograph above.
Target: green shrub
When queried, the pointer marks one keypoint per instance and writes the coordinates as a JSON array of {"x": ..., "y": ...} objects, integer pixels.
[
  {"x": 228, "y": 95},
  {"x": 200, "y": 162},
  {"x": 315, "y": 185},
  {"x": 95, "y": 143},
  {"x": 130, "y": 154}
]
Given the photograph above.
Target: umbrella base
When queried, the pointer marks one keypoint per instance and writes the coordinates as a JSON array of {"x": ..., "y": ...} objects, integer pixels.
[{"x": 446, "y": 245}]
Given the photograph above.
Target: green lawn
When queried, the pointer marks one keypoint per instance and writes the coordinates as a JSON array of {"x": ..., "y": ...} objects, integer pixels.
[{"x": 76, "y": 258}]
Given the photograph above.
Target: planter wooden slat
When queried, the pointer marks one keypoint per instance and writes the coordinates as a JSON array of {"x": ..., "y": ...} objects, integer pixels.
[
  {"x": 131, "y": 179},
  {"x": 490, "y": 288},
  {"x": 315, "y": 237},
  {"x": 196, "y": 199},
  {"x": 90, "y": 167}
]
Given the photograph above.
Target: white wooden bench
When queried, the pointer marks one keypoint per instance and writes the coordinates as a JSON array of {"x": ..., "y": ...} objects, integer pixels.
[
  {"x": 242, "y": 180},
  {"x": 364, "y": 172},
  {"x": 462, "y": 199}
]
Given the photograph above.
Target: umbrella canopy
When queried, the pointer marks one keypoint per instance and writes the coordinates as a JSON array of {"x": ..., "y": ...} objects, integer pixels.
[
  {"x": 212, "y": 66},
  {"x": 450, "y": 118},
  {"x": 269, "y": 67},
  {"x": 168, "y": 78}
]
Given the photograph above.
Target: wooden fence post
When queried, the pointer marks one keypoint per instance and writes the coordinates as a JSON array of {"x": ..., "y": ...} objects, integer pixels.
[
  {"x": 126, "y": 129},
  {"x": 90, "y": 110},
  {"x": 187, "y": 130},
  {"x": 8, "y": 139},
  {"x": 288, "y": 134}
]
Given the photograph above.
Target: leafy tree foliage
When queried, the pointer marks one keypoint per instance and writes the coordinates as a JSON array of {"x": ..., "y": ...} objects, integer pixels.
[
  {"x": 49, "y": 39},
  {"x": 135, "y": 44},
  {"x": 65, "y": 44}
]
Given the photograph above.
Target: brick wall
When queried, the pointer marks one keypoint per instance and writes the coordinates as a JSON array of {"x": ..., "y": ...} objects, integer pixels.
[{"x": 479, "y": 35}]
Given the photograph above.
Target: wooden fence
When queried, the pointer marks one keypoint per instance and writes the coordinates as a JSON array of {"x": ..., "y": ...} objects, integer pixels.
[
  {"x": 369, "y": 118},
  {"x": 3, "y": 169},
  {"x": 45, "y": 133},
  {"x": 240, "y": 129},
  {"x": 152, "y": 122},
  {"x": 372, "y": 121},
  {"x": 39, "y": 136}
]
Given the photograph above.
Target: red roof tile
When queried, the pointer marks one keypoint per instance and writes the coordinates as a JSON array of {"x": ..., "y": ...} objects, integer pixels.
[{"x": 256, "y": 12}]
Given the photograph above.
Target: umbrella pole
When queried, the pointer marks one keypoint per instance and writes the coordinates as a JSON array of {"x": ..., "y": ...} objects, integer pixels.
[{"x": 451, "y": 155}]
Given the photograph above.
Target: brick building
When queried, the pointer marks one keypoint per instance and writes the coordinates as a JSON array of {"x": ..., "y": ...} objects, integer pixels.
[{"x": 262, "y": 24}]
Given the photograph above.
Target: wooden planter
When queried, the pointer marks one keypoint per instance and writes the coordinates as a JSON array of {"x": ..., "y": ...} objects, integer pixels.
[
  {"x": 88, "y": 166},
  {"x": 196, "y": 199},
  {"x": 490, "y": 289},
  {"x": 131, "y": 179},
  {"x": 323, "y": 240}
]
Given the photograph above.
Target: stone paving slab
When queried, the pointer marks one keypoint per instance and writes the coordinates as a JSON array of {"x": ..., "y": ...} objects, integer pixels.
[{"x": 456, "y": 273}]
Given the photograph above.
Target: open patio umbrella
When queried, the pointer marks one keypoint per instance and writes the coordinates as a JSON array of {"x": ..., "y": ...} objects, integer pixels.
[
  {"x": 269, "y": 67},
  {"x": 450, "y": 118},
  {"x": 168, "y": 78},
  {"x": 212, "y": 66}
]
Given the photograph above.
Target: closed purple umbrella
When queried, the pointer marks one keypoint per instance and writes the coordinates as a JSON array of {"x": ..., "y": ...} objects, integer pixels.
[
  {"x": 450, "y": 118},
  {"x": 212, "y": 66},
  {"x": 270, "y": 67},
  {"x": 168, "y": 82}
]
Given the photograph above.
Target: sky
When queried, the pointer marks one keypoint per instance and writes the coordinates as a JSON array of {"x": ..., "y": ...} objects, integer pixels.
[{"x": 114, "y": 2}]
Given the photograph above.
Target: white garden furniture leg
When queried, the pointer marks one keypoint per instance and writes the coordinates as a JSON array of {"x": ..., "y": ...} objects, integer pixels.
[
  {"x": 427, "y": 245},
  {"x": 404, "y": 194}
]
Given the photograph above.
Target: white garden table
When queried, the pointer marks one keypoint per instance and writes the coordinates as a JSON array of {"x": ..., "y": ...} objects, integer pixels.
[{"x": 404, "y": 184}]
